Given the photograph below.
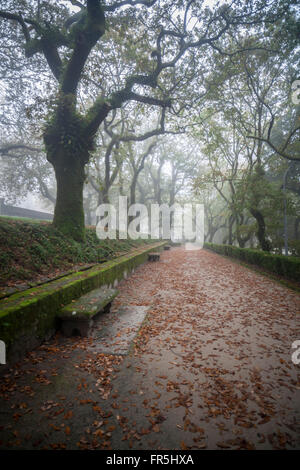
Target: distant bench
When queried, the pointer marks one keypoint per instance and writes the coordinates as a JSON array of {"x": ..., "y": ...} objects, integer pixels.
[
  {"x": 77, "y": 317},
  {"x": 153, "y": 256}
]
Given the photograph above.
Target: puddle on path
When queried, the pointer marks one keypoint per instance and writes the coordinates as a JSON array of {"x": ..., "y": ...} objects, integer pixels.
[{"x": 114, "y": 332}]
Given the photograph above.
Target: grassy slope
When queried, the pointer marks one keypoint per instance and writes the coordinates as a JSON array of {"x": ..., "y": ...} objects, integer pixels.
[{"x": 31, "y": 250}]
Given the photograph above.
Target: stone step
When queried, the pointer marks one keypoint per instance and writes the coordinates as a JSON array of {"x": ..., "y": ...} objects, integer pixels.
[{"x": 77, "y": 317}]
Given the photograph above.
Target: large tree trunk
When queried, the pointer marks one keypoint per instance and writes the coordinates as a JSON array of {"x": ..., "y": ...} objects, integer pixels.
[
  {"x": 240, "y": 239},
  {"x": 132, "y": 197},
  {"x": 211, "y": 235},
  {"x": 69, "y": 212},
  {"x": 133, "y": 189},
  {"x": 68, "y": 147},
  {"x": 261, "y": 231}
]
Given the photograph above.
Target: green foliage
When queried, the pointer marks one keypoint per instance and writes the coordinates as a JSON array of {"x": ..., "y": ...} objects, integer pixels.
[
  {"x": 286, "y": 266},
  {"x": 30, "y": 249},
  {"x": 294, "y": 246}
]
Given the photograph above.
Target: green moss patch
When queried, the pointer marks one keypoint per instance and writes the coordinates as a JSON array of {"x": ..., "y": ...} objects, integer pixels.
[{"x": 88, "y": 305}]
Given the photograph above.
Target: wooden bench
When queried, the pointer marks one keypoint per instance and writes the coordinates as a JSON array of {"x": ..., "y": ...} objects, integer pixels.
[
  {"x": 77, "y": 317},
  {"x": 153, "y": 257}
]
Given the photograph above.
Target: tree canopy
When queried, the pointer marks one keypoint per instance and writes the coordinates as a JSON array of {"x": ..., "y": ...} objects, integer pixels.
[{"x": 158, "y": 100}]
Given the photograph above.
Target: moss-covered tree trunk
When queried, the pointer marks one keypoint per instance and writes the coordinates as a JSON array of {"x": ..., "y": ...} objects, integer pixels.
[
  {"x": 68, "y": 147},
  {"x": 69, "y": 213},
  {"x": 69, "y": 135}
]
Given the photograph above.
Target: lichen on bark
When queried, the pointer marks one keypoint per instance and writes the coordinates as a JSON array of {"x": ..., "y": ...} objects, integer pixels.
[{"x": 68, "y": 149}]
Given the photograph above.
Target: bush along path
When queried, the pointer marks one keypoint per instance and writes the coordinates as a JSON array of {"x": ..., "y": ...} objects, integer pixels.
[{"x": 209, "y": 367}]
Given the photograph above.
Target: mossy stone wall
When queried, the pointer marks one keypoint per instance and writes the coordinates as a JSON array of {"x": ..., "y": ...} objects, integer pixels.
[{"x": 29, "y": 317}]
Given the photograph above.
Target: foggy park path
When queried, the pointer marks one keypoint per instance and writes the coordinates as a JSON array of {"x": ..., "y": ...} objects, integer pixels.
[{"x": 210, "y": 368}]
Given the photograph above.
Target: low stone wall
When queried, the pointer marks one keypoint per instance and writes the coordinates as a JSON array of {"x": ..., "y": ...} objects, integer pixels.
[{"x": 30, "y": 317}]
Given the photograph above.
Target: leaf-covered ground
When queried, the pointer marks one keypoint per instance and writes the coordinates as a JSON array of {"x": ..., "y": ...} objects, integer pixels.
[{"x": 210, "y": 368}]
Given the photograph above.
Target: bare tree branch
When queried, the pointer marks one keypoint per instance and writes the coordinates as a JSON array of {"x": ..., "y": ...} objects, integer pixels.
[
  {"x": 5, "y": 150},
  {"x": 277, "y": 150},
  {"x": 115, "y": 6},
  {"x": 19, "y": 19}
]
